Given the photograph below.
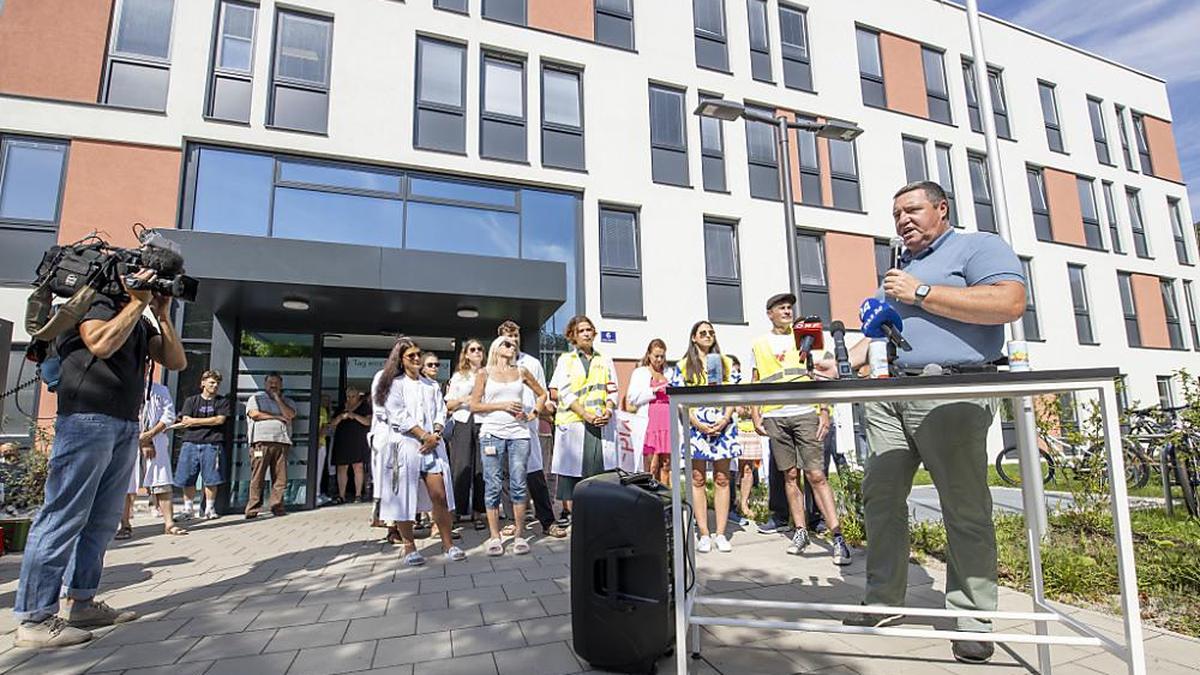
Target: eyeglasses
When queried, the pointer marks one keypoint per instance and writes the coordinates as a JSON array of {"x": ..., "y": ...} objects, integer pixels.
[
  {"x": 474, "y": 349},
  {"x": 413, "y": 356},
  {"x": 706, "y": 333}
]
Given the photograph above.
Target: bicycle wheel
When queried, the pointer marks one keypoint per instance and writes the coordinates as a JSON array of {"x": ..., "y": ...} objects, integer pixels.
[
  {"x": 1187, "y": 478},
  {"x": 1137, "y": 468},
  {"x": 1008, "y": 467}
]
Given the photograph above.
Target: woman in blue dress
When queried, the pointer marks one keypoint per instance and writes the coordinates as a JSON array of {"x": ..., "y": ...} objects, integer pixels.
[{"x": 713, "y": 436}]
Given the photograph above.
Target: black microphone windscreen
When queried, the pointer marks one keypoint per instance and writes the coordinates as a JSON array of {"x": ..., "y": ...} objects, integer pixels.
[
  {"x": 837, "y": 327},
  {"x": 162, "y": 260}
]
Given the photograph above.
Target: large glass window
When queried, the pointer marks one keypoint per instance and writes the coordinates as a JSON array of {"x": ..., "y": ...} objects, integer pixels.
[
  {"x": 502, "y": 109},
  {"x": 937, "y": 96},
  {"x": 300, "y": 79},
  {"x": 620, "y": 264},
  {"x": 760, "y": 40},
  {"x": 1141, "y": 246},
  {"x": 793, "y": 35},
  {"x": 810, "y": 165},
  {"x": 1190, "y": 300},
  {"x": 1030, "y": 319},
  {"x": 712, "y": 50},
  {"x": 232, "y": 191},
  {"x": 1143, "y": 144},
  {"x": 981, "y": 192},
  {"x": 1079, "y": 301},
  {"x": 139, "y": 58},
  {"x": 451, "y": 5},
  {"x": 458, "y": 229},
  {"x": 1178, "y": 232},
  {"x": 722, "y": 272},
  {"x": 1054, "y": 136},
  {"x": 1091, "y": 217},
  {"x": 441, "y": 112},
  {"x": 870, "y": 68},
  {"x": 946, "y": 179},
  {"x": 31, "y": 180},
  {"x": 762, "y": 158},
  {"x": 843, "y": 167},
  {"x": 335, "y": 217},
  {"x": 814, "y": 282},
  {"x": 508, "y": 11},
  {"x": 17, "y": 410},
  {"x": 914, "y": 159},
  {"x": 614, "y": 23},
  {"x": 1133, "y": 334},
  {"x": 712, "y": 153},
  {"x": 1099, "y": 131},
  {"x": 999, "y": 103},
  {"x": 1123, "y": 132},
  {"x": 1041, "y": 208},
  {"x": 549, "y": 225},
  {"x": 562, "y": 118},
  {"x": 668, "y": 136},
  {"x": 1110, "y": 212},
  {"x": 1171, "y": 307},
  {"x": 232, "y": 75}
]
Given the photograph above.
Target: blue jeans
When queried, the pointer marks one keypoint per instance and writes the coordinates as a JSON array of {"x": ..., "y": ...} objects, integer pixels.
[
  {"x": 510, "y": 452},
  {"x": 198, "y": 459},
  {"x": 90, "y": 464}
]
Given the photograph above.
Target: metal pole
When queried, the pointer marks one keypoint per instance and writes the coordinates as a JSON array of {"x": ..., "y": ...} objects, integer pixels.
[
  {"x": 1032, "y": 493},
  {"x": 789, "y": 204},
  {"x": 678, "y": 490}
]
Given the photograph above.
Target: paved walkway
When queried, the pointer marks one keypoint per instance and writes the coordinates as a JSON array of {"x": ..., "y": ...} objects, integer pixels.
[{"x": 316, "y": 593}]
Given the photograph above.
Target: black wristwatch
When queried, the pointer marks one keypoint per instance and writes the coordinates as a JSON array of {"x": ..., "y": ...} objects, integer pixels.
[{"x": 921, "y": 293}]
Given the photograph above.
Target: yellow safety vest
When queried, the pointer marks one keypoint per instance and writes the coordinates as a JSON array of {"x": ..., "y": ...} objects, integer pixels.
[
  {"x": 702, "y": 378},
  {"x": 771, "y": 370},
  {"x": 590, "y": 388}
]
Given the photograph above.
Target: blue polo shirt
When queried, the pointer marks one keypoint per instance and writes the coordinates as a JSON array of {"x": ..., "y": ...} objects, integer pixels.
[{"x": 957, "y": 259}]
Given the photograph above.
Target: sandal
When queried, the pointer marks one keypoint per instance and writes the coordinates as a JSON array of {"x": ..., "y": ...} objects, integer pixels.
[
  {"x": 509, "y": 530},
  {"x": 175, "y": 531},
  {"x": 456, "y": 554},
  {"x": 414, "y": 559},
  {"x": 555, "y": 530},
  {"x": 480, "y": 525},
  {"x": 495, "y": 547},
  {"x": 520, "y": 546},
  {"x": 124, "y": 532},
  {"x": 393, "y": 535}
]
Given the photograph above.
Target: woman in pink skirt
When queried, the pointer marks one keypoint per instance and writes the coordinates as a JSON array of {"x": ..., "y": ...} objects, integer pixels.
[{"x": 647, "y": 397}]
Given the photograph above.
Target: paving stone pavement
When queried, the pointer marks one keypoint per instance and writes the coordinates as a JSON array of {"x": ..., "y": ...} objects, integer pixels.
[{"x": 317, "y": 592}]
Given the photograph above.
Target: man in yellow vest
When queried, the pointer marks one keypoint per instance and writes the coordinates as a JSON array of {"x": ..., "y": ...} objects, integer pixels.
[{"x": 796, "y": 431}]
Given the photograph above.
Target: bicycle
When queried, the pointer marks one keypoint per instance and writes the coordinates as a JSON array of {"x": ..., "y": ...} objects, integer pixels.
[
  {"x": 1058, "y": 454},
  {"x": 1179, "y": 459}
]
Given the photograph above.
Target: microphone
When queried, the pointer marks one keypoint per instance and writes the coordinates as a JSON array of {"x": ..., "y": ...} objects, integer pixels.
[
  {"x": 880, "y": 320},
  {"x": 838, "y": 330},
  {"x": 714, "y": 368},
  {"x": 897, "y": 251},
  {"x": 808, "y": 336}
]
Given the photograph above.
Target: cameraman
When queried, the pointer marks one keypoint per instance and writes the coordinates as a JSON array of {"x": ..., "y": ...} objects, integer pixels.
[{"x": 95, "y": 446}]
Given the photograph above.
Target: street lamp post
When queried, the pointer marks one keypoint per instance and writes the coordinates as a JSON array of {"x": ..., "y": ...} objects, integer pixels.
[{"x": 832, "y": 129}]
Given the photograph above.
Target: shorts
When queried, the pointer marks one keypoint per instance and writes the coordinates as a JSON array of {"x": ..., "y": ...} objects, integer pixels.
[
  {"x": 199, "y": 459},
  {"x": 794, "y": 442}
]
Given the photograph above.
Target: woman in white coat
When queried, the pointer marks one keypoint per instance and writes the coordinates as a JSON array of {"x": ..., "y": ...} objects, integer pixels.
[{"x": 412, "y": 469}]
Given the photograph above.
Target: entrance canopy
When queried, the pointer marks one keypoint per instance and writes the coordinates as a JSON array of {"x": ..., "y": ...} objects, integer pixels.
[{"x": 364, "y": 289}]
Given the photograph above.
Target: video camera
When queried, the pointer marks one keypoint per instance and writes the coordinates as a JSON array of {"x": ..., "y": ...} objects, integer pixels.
[{"x": 66, "y": 269}]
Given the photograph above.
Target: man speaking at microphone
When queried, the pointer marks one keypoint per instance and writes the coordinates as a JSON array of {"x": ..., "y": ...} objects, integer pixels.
[{"x": 954, "y": 292}]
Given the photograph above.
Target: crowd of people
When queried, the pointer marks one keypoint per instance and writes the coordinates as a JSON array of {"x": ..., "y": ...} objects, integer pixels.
[{"x": 463, "y": 451}]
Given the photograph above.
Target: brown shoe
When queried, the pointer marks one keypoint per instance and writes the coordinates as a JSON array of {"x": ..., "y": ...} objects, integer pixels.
[
  {"x": 555, "y": 530},
  {"x": 92, "y": 614},
  {"x": 51, "y": 632}
]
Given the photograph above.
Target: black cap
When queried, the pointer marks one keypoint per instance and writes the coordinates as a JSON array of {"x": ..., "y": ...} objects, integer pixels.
[{"x": 780, "y": 298}]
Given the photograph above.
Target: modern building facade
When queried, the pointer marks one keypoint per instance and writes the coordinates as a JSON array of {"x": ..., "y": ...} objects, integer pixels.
[{"x": 337, "y": 172}]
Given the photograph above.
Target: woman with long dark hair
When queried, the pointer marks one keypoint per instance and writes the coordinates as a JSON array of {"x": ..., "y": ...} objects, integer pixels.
[
  {"x": 585, "y": 384},
  {"x": 413, "y": 469},
  {"x": 713, "y": 435},
  {"x": 647, "y": 398},
  {"x": 465, "y": 466}
]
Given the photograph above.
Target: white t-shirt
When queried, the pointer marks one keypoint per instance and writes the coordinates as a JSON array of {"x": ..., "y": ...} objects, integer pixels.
[
  {"x": 460, "y": 387},
  {"x": 781, "y": 345}
]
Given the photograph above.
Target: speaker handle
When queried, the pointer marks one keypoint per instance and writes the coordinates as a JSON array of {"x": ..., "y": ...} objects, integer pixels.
[{"x": 622, "y": 601}]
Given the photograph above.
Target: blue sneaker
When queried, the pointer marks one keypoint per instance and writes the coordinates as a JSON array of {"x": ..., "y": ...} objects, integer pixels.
[
  {"x": 739, "y": 520},
  {"x": 769, "y": 527}
]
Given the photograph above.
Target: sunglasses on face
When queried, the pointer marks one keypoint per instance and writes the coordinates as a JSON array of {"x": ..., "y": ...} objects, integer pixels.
[
  {"x": 706, "y": 333},
  {"x": 413, "y": 356},
  {"x": 474, "y": 349}
]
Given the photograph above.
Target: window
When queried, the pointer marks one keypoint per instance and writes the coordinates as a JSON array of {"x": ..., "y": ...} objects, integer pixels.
[
  {"x": 760, "y": 41},
  {"x": 762, "y": 158},
  {"x": 502, "y": 109},
  {"x": 508, "y": 11},
  {"x": 1041, "y": 209},
  {"x": 1110, "y": 212},
  {"x": 844, "y": 172},
  {"x": 721, "y": 271},
  {"x": 999, "y": 103},
  {"x": 711, "y": 48},
  {"x": 452, "y": 5},
  {"x": 712, "y": 153},
  {"x": 14, "y": 409},
  {"x": 139, "y": 55},
  {"x": 981, "y": 191},
  {"x": 1141, "y": 246},
  {"x": 1124, "y": 133},
  {"x": 1050, "y": 116},
  {"x": 810, "y": 165},
  {"x": 31, "y": 180},
  {"x": 883, "y": 260},
  {"x": 814, "y": 283},
  {"x": 972, "y": 97},
  {"x": 936, "y": 94},
  {"x": 1091, "y": 217},
  {"x": 1171, "y": 307},
  {"x": 300, "y": 78},
  {"x": 562, "y": 118},
  {"x": 1030, "y": 319},
  {"x": 620, "y": 264},
  {"x": 1079, "y": 300},
  {"x": 1190, "y": 300},
  {"x": 614, "y": 23},
  {"x": 793, "y": 34},
  {"x": 1166, "y": 391},
  {"x": 1099, "y": 133},
  {"x": 946, "y": 179},
  {"x": 1143, "y": 145},
  {"x": 668, "y": 136},
  {"x": 1133, "y": 334},
  {"x": 914, "y": 159},
  {"x": 233, "y": 63},
  {"x": 441, "y": 120},
  {"x": 870, "y": 68},
  {"x": 1122, "y": 383},
  {"x": 1178, "y": 232}
]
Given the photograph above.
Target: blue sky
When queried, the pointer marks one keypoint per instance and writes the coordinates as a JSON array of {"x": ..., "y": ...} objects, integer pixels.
[{"x": 1155, "y": 36}]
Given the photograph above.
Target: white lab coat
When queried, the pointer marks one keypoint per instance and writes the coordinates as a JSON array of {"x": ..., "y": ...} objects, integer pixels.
[
  {"x": 568, "y": 438},
  {"x": 639, "y": 393},
  {"x": 155, "y": 472},
  {"x": 395, "y": 456},
  {"x": 528, "y": 399}
]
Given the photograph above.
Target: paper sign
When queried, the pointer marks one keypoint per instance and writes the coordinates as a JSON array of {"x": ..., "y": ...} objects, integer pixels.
[{"x": 631, "y": 436}]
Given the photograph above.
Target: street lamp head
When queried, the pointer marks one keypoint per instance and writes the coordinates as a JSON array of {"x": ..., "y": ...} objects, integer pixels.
[
  {"x": 839, "y": 130},
  {"x": 720, "y": 109}
]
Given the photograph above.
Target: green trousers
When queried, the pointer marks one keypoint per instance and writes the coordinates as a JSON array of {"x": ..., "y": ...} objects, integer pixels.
[{"x": 950, "y": 439}]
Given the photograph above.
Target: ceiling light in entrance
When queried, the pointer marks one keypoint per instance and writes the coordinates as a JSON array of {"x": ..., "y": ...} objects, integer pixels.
[
  {"x": 296, "y": 304},
  {"x": 468, "y": 313}
]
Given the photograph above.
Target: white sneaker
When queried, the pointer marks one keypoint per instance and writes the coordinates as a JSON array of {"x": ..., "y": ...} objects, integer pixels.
[
  {"x": 51, "y": 632},
  {"x": 799, "y": 542},
  {"x": 704, "y": 545},
  {"x": 211, "y": 515},
  {"x": 722, "y": 543}
]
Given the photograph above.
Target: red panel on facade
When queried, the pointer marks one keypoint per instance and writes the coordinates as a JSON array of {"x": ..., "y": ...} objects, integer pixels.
[
  {"x": 1066, "y": 216},
  {"x": 576, "y": 18},
  {"x": 1164, "y": 157},
  {"x": 903, "y": 75},
  {"x": 53, "y": 48},
  {"x": 111, "y": 186},
  {"x": 850, "y": 260},
  {"x": 1151, "y": 315}
]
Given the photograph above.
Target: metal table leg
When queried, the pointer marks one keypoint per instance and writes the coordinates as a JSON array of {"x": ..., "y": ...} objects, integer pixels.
[
  {"x": 1033, "y": 498},
  {"x": 677, "y": 552}
]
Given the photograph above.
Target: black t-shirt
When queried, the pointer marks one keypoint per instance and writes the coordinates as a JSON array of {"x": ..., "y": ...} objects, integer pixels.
[
  {"x": 198, "y": 406},
  {"x": 114, "y": 386}
]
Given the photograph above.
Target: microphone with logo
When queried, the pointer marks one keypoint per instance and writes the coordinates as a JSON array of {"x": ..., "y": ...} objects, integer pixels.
[
  {"x": 808, "y": 335},
  {"x": 837, "y": 330},
  {"x": 880, "y": 320}
]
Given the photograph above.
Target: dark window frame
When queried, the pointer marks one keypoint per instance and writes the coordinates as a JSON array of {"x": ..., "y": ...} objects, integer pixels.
[
  {"x": 947, "y": 180},
  {"x": 865, "y": 77},
  {"x": 1143, "y": 142},
  {"x": 1093, "y": 233},
  {"x": 701, "y": 36},
  {"x": 1054, "y": 131},
  {"x": 1123, "y": 130},
  {"x": 486, "y": 116},
  {"x": 445, "y": 5},
  {"x": 623, "y": 272},
  {"x": 752, "y": 161},
  {"x": 932, "y": 96},
  {"x": 675, "y": 149},
  {"x": 1133, "y": 333},
  {"x": 986, "y": 202},
  {"x": 1170, "y": 301},
  {"x": 616, "y": 14},
  {"x": 1137, "y": 224},
  {"x": 1189, "y": 300},
  {"x": 1165, "y": 385},
  {"x": 419, "y": 105},
  {"x": 760, "y": 54},
  {"x": 1110, "y": 212},
  {"x": 33, "y": 223},
  {"x": 483, "y": 12},
  {"x": 217, "y": 74},
  {"x": 1081, "y": 307},
  {"x": 712, "y": 160},
  {"x": 141, "y": 61},
  {"x": 711, "y": 279},
  {"x": 836, "y": 176},
  {"x": 906, "y": 143},
  {"x": 999, "y": 112},
  {"x": 814, "y": 292},
  {"x": 278, "y": 82},
  {"x": 799, "y": 56},
  {"x": 558, "y": 127},
  {"x": 1099, "y": 130},
  {"x": 1042, "y": 227},
  {"x": 810, "y": 173},
  {"x": 1029, "y": 319},
  {"x": 1178, "y": 231}
]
